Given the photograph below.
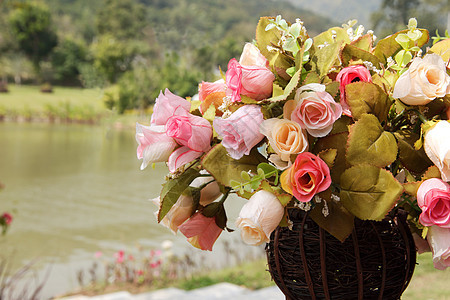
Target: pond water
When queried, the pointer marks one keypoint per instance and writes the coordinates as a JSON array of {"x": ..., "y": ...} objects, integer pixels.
[{"x": 74, "y": 190}]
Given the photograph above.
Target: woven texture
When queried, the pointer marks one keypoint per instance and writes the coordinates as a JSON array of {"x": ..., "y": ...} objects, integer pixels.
[{"x": 376, "y": 262}]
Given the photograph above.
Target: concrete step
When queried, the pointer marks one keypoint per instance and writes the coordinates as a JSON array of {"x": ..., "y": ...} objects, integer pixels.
[{"x": 220, "y": 291}]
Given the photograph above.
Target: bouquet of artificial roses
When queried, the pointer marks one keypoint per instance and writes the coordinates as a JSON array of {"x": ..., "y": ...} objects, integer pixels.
[{"x": 332, "y": 125}]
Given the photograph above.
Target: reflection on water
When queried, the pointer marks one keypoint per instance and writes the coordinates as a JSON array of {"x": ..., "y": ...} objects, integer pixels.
[{"x": 75, "y": 190}]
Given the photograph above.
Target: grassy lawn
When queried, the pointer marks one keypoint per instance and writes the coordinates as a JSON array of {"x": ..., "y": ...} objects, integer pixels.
[{"x": 20, "y": 97}]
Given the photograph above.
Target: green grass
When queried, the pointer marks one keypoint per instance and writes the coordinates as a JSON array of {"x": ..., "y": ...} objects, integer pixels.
[{"x": 26, "y": 96}]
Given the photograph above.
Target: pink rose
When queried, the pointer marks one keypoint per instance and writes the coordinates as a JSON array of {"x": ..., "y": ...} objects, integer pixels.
[
  {"x": 439, "y": 240},
  {"x": 422, "y": 245},
  {"x": 178, "y": 213},
  {"x": 315, "y": 111},
  {"x": 425, "y": 80},
  {"x": 207, "y": 88},
  {"x": 308, "y": 176},
  {"x": 153, "y": 144},
  {"x": 259, "y": 217},
  {"x": 348, "y": 75},
  {"x": 202, "y": 232},
  {"x": 433, "y": 198},
  {"x": 168, "y": 105},
  {"x": 252, "y": 81},
  {"x": 251, "y": 56},
  {"x": 240, "y": 131},
  {"x": 191, "y": 131},
  {"x": 182, "y": 156},
  {"x": 437, "y": 147}
]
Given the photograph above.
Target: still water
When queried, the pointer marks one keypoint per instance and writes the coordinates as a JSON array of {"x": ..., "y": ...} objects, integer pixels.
[{"x": 74, "y": 190}]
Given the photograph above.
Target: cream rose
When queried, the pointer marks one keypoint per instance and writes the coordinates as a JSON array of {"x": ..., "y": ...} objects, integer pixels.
[
  {"x": 437, "y": 147},
  {"x": 439, "y": 240},
  {"x": 286, "y": 137},
  {"x": 259, "y": 217},
  {"x": 425, "y": 80},
  {"x": 178, "y": 214}
]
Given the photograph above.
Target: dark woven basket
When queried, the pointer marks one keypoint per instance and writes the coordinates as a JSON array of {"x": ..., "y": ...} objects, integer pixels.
[{"x": 376, "y": 262}]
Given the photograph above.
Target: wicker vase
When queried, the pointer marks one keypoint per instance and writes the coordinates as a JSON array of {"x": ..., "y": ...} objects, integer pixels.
[{"x": 376, "y": 262}]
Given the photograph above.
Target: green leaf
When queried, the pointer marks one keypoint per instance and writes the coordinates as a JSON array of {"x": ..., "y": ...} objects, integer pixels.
[
  {"x": 281, "y": 195},
  {"x": 339, "y": 222},
  {"x": 365, "y": 42},
  {"x": 328, "y": 156},
  {"x": 352, "y": 53},
  {"x": 224, "y": 168},
  {"x": 388, "y": 46},
  {"x": 369, "y": 143},
  {"x": 338, "y": 142},
  {"x": 289, "y": 89},
  {"x": 324, "y": 59},
  {"x": 295, "y": 29},
  {"x": 415, "y": 161},
  {"x": 327, "y": 36},
  {"x": 442, "y": 49},
  {"x": 369, "y": 192},
  {"x": 332, "y": 88},
  {"x": 311, "y": 77},
  {"x": 173, "y": 189},
  {"x": 367, "y": 98},
  {"x": 216, "y": 209}
]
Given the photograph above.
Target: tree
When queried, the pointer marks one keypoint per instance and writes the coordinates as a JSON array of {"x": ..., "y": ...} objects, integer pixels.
[
  {"x": 125, "y": 19},
  {"x": 66, "y": 60},
  {"x": 32, "y": 27}
]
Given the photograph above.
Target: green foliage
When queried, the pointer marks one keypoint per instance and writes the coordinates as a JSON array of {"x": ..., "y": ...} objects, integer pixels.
[
  {"x": 125, "y": 19},
  {"x": 367, "y": 98},
  {"x": 369, "y": 192},
  {"x": 32, "y": 26},
  {"x": 66, "y": 60}
]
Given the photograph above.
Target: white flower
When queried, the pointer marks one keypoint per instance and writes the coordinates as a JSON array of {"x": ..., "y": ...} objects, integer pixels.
[
  {"x": 437, "y": 147},
  {"x": 259, "y": 217}
]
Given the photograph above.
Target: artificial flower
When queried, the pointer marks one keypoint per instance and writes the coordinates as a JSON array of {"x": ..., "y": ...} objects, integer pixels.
[
  {"x": 285, "y": 137},
  {"x": 202, "y": 232},
  {"x": 153, "y": 144},
  {"x": 439, "y": 240},
  {"x": 315, "y": 111},
  {"x": 7, "y": 218},
  {"x": 191, "y": 131},
  {"x": 425, "y": 80},
  {"x": 251, "y": 56},
  {"x": 211, "y": 93},
  {"x": 179, "y": 213},
  {"x": 437, "y": 147},
  {"x": 433, "y": 198},
  {"x": 210, "y": 192},
  {"x": 182, "y": 156},
  {"x": 167, "y": 105},
  {"x": 308, "y": 176},
  {"x": 240, "y": 131},
  {"x": 348, "y": 75},
  {"x": 259, "y": 217},
  {"x": 252, "y": 81}
]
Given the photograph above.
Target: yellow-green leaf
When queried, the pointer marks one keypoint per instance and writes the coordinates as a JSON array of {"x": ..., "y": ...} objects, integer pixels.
[
  {"x": 414, "y": 160},
  {"x": 442, "y": 49},
  {"x": 369, "y": 143},
  {"x": 353, "y": 53},
  {"x": 224, "y": 168},
  {"x": 173, "y": 189},
  {"x": 339, "y": 34},
  {"x": 369, "y": 192},
  {"x": 328, "y": 156},
  {"x": 367, "y": 98},
  {"x": 339, "y": 222},
  {"x": 338, "y": 142},
  {"x": 322, "y": 60}
]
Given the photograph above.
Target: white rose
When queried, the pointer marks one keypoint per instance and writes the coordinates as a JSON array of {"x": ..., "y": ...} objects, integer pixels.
[
  {"x": 210, "y": 192},
  {"x": 251, "y": 56},
  {"x": 259, "y": 217},
  {"x": 439, "y": 240},
  {"x": 437, "y": 147},
  {"x": 425, "y": 80}
]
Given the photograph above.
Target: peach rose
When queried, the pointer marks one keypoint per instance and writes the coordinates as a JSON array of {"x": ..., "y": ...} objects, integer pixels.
[
  {"x": 437, "y": 147},
  {"x": 315, "y": 111},
  {"x": 308, "y": 176},
  {"x": 286, "y": 137},
  {"x": 251, "y": 56},
  {"x": 425, "y": 80},
  {"x": 211, "y": 93},
  {"x": 259, "y": 217},
  {"x": 178, "y": 214},
  {"x": 439, "y": 240},
  {"x": 433, "y": 198}
]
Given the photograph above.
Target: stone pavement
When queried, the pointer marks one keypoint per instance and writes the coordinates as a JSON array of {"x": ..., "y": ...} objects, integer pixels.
[{"x": 220, "y": 291}]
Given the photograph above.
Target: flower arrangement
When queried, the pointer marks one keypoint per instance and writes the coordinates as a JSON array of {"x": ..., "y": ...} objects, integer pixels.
[{"x": 335, "y": 124}]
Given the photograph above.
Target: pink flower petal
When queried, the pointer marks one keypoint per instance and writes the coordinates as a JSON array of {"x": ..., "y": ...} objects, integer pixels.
[{"x": 182, "y": 156}]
